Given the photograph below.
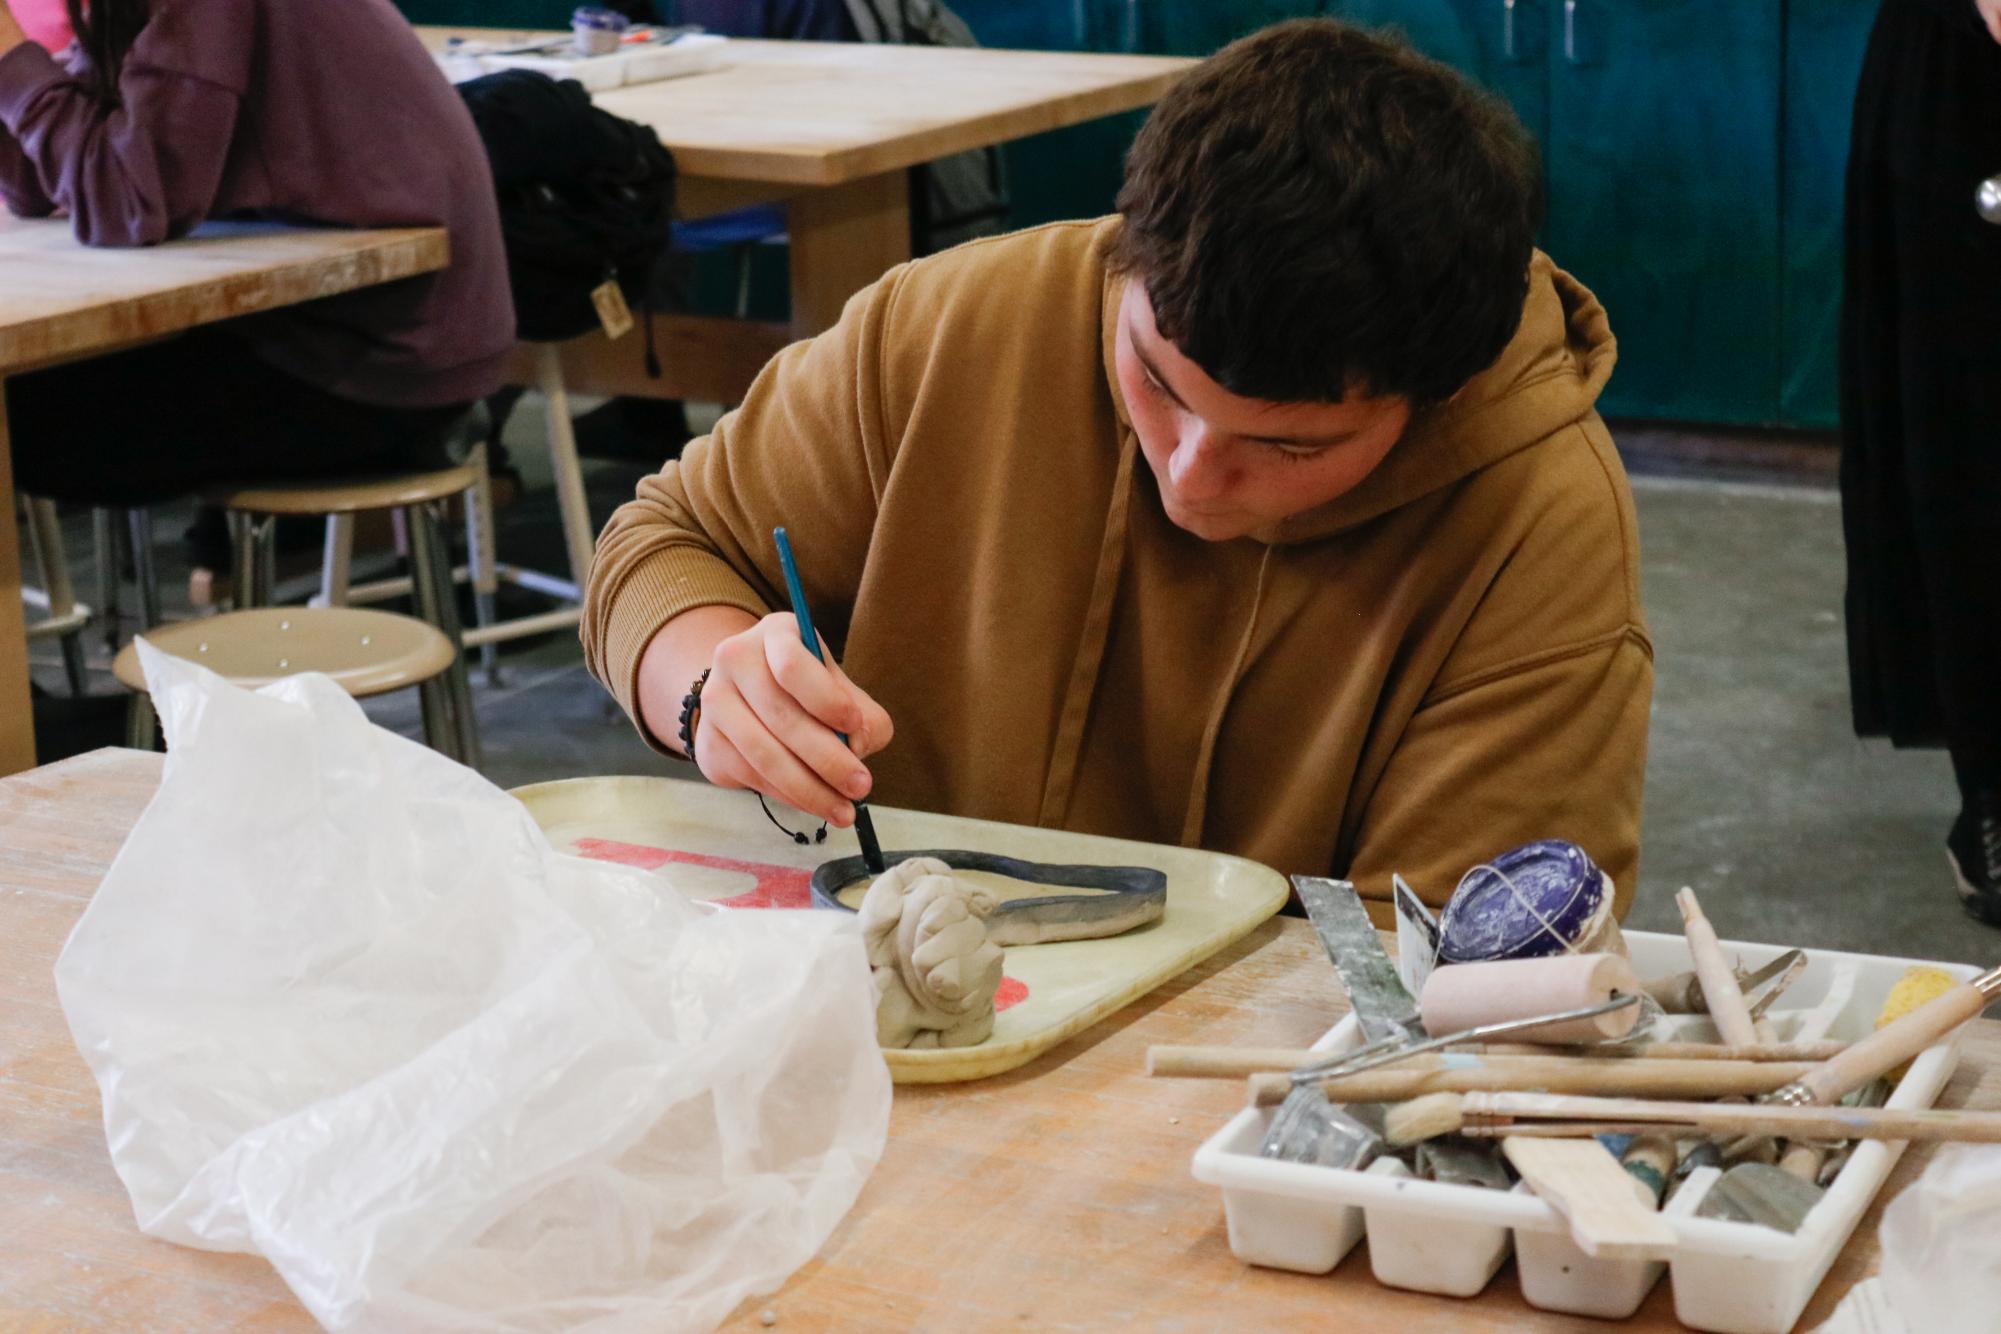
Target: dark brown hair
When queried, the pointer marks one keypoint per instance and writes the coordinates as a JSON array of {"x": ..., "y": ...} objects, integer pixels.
[
  {"x": 1317, "y": 210},
  {"x": 106, "y": 30}
]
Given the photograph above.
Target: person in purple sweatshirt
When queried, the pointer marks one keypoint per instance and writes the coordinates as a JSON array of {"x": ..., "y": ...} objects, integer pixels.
[{"x": 166, "y": 114}]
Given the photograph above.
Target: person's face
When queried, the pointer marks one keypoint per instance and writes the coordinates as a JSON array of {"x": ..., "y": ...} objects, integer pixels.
[{"x": 1229, "y": 466}]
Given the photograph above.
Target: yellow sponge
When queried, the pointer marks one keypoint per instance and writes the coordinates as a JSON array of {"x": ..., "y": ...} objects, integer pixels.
[{"x": 1913, "y": 989}]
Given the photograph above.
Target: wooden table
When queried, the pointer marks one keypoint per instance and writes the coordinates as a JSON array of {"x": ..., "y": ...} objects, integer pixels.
[
  {"x": 60, "y": 301},
  {"x": 830, "y": 128},
  {"x": 1057, "y": 1196}
]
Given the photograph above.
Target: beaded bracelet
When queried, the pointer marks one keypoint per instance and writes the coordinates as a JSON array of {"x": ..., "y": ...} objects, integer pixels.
[{"x": 691, "y": 708}]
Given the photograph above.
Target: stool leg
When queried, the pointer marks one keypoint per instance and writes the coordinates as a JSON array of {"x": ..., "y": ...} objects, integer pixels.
[
  {"x": 336, "y": 560},
  {"x": 139, "y": 527},
  {"x": 440, "y": 733},
  {"x": 110, "y": 571},
  {"x": 436, "y": 713},
  {"x": 577, "y": 534},
  {"x": 243, "y": 550},
  {"x": 480, "y": 557},
  {"x": 264, "y": 542},
  {"x": 432, "y": 583},
  {"x": 142, "y": 726},
  {"x": 45, "y": 537}
]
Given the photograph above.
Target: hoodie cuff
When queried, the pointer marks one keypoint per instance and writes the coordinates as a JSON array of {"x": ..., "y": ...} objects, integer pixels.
[
  {"x": 24, "y": 72},
  {"x": 660, "y": 587}
]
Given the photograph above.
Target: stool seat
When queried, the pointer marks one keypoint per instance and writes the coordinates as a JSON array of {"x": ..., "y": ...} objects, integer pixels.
[
  {"x": 365, "y": 652},
  {"x": 343, "y": 495}
]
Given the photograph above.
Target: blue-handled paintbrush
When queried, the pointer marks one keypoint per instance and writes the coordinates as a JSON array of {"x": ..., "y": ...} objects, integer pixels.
[{"x": 864, "y": 827}]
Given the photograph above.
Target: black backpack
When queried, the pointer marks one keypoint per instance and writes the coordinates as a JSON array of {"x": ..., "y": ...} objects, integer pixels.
[
  {"x": 955, "y": 198},
  {"x": 585, "y": 198}
]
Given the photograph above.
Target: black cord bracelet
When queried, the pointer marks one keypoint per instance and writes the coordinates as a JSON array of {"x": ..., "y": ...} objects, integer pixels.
[{"x": 691, "y": 708}]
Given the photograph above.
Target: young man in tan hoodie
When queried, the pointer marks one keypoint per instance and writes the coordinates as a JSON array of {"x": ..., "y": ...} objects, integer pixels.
[{"x": 1271, "y": 515}]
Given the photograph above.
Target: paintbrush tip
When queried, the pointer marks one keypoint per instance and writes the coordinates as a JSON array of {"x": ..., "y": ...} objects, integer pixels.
[
  {"x": 1423, "y": 1118},
  {"x": 871, "y": 848}
]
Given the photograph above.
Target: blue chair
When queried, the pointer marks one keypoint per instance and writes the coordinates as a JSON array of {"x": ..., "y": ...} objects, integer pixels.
[{"x": 740, "y": 230}]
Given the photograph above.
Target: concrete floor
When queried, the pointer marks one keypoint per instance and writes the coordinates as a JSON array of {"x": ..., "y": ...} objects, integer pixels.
[{"x": 1758, "y": 793}]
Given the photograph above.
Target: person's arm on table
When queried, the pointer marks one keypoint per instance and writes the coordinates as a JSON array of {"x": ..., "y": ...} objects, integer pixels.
[
  {"x": 686, "y": 577},
  {"x": 146, "y": 169}
]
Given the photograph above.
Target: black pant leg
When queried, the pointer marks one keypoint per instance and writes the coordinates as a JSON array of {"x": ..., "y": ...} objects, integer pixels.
[{"x": 148, "y": 424}]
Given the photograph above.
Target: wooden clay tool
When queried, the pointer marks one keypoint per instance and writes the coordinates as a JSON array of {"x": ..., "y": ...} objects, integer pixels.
[
  {"x": 1586, "y": 1185},
  {"x": 1719, "y": 983},
  {"x": 1503, "y": 1114},
  {"x": 1891, "y": 1045},
  {"x": 1451, "y": 1072},
  {"x": 1681, "y": 993},
  {"x": 1236, "y": 1062}
]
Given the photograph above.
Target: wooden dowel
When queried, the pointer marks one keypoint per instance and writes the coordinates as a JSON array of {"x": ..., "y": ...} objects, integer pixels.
[
  {"x": 1720, "y": 992},
  {"x": 1488, "y": 1114},
  {"x": 1238, "y": 1062},
  {"x": 1452, "y": 1073}
]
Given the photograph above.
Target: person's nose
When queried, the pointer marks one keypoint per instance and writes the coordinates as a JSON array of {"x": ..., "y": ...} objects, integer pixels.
[{"x": 1198, "y": 467}]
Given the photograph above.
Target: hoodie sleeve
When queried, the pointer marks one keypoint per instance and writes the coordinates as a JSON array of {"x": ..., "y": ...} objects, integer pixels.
[
  {"x": 808, "y": 449},
  {"x": 147, "y": 169},
  {"x": 20, "y": 185},
  {"x": 1555, "y": 748}
]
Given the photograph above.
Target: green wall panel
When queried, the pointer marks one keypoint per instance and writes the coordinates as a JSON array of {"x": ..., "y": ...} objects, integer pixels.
[
  {"x": 1662, "y": 159},
  {"x": 1502, "y": 43}
]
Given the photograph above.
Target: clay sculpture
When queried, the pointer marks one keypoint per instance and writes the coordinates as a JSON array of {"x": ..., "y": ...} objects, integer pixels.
[
  {"x": 934, "y": 966},
  {"x": 1120, "y": 898}
]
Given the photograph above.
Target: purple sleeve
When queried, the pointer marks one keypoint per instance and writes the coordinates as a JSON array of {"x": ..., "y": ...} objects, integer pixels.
[
  {"x": 20, "y": 186},
  {"x": 140, "y": 172}
]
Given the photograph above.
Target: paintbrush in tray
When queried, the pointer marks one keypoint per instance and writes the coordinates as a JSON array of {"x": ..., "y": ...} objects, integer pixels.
[
  {"x": 1170, "y": 1061},
  {"x": 1453, "y": 1072},
  {"x": 1500, "y": 1115},
  {"x": 864, "y": 826}
]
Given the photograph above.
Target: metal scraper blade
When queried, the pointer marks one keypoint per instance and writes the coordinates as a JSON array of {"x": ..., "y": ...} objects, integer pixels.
[{"x": 1382, "y": 1005}]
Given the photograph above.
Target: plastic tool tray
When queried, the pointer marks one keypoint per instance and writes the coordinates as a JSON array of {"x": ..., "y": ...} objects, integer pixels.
[{"x": 1452, "y": 1239}]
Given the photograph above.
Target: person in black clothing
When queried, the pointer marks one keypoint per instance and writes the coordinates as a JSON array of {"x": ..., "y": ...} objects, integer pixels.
[{"x": 1921, "y": 409}]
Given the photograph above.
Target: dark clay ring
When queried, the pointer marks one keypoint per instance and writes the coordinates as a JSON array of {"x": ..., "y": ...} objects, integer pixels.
[{"x": 1134, "y": 895}]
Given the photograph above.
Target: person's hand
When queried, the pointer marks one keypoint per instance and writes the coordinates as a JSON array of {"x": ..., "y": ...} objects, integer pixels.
[
  {"x": 11, "y": 35},
  {"x": 1990, "y": 14},
  {"x": 769, "y": 716}
]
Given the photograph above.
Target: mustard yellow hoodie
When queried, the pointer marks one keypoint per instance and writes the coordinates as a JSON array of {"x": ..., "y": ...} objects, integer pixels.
[{"x": 1444, "y": 662}]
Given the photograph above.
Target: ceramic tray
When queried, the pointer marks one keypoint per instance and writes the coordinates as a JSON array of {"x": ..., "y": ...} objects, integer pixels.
[{"x": 716, "y": 844}]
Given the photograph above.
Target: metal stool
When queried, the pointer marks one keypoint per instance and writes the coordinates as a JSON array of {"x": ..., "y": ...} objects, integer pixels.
[
  {"x": 66, "y": 618},
  {"x": 416, "y": 497},
  {"x": 365, "y": 652}
]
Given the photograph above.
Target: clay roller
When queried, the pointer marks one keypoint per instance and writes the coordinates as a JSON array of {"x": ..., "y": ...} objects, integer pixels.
[{"x": 1467, "y": 995}]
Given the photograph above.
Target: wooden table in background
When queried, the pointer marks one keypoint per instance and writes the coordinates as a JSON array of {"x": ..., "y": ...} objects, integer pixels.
[
  {"x": 61, "y": 301},
  {"x": 829, "y": 128},
  {"x": 1057, "y": 1196}
]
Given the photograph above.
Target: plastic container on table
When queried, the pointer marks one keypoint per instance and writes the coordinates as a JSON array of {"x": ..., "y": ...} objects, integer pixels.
[{"x": 1734, "y": 1278}]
